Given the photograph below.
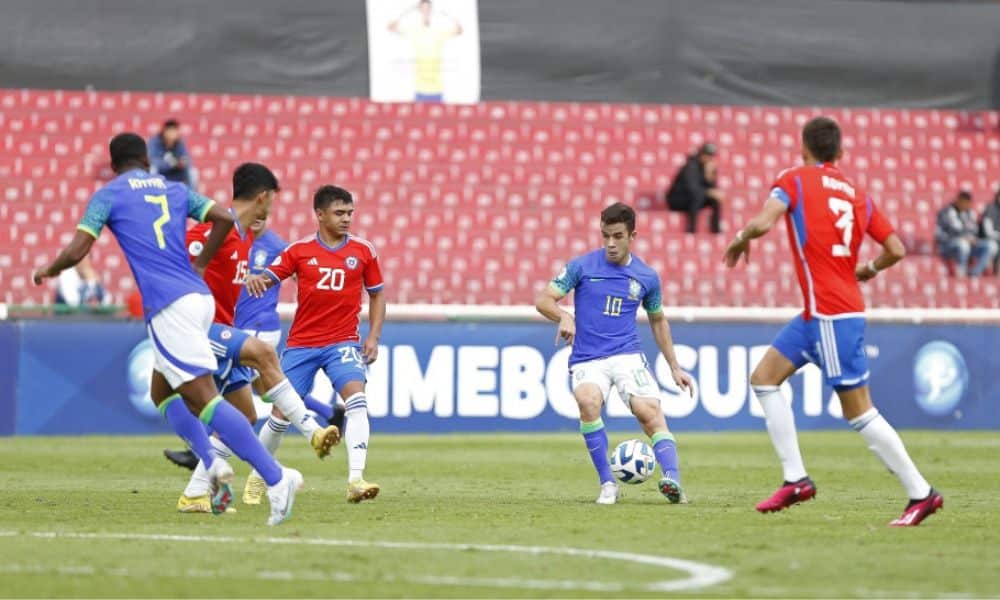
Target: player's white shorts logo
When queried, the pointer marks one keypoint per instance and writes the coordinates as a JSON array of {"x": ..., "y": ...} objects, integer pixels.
[
  {"x": 351, "y": 262},
  {"x": 195, "y": 248}
]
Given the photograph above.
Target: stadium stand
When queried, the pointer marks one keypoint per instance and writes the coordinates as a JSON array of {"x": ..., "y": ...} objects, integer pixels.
[{"x": 480, "y": 204}]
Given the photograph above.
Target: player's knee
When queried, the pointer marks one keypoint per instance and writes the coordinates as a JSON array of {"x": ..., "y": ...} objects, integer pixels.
[
  {"x": 260, "y": 356},
  {"x": 759, "y": 377}
]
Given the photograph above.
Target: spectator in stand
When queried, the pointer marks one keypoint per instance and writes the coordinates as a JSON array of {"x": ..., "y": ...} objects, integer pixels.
[
  {"x": 989, "y": 228},
  {"x": 169, "y": 157},
  {"x": 80, "y": 287},
  {"x": 695, "y": 187},
  {"x": 957, "y": 237}
]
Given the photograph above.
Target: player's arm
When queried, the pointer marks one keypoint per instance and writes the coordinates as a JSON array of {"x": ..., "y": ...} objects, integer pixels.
[
  {"x": 774, "y": 209},
  {"x": 653, "y": 304},
  {"x": 376, "y": 318},
  {"x": 222, "y": 222},
  {"x": 375, "y": 286},
  {"x": 893, "y": 249},
  {"x": 73, "y": 253},
  {"x": 94, "y": 218},
  {"x": 547, "y": 302},
  {"x": 282, "y": 268},
  {"x": 394, "y": 24}
]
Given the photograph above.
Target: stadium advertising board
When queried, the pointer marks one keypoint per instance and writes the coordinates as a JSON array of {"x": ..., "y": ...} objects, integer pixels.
[{"x": 79, "y": 377}]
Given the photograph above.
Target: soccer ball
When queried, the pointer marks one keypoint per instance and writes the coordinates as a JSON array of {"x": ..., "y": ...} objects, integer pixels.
[{"x": 633, "y": 461}]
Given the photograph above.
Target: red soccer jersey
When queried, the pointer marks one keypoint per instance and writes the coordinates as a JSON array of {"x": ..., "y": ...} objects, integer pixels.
[
  {"x": 329, "y": 292},
  {"x": 827, "y": 217},
  {"x": 227, "y": 271}
]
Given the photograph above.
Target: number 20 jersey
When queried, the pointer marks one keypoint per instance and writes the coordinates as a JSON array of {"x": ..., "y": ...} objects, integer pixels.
[
  {"x": 330, "y": 282},
  {"x": 827, "y": 217}
]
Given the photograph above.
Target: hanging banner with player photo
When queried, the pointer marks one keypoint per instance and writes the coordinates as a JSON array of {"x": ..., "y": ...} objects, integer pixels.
[{"x": 424, "y": 51}]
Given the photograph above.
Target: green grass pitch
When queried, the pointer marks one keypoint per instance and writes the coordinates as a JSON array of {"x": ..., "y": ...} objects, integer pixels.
[{"x": 458, "y": 517}]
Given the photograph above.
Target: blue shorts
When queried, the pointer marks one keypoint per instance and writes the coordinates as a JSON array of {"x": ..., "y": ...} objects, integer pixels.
[
  {"x": 342, "y": 363},
  {"x": 226, "y": 344},
  {"x": 836, "y": 346}
]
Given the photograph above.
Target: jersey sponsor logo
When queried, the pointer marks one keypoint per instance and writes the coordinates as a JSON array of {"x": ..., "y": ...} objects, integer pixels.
[
  {"x": 351, "y": 262},
  {"x": 195, "y": 248},
  {"x": 313, "y": 261},
  {"x": 634, "y": 289}
]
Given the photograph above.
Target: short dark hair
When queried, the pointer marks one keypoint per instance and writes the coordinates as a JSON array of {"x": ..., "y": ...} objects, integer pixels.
[
  {"x": 170, "y": 123},
  {"x": 126, "y": 148},
  {"x": 964, "y": 195},
  {"x": 250, "y": 179},
  {"x": 328, "y": 194},
  {"x": 619, "y": 213},
  {"x": 821, "y": 137}
]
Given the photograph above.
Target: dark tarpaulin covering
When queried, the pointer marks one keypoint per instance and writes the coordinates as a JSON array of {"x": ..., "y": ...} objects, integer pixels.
[{"x": 797, "y": 52}]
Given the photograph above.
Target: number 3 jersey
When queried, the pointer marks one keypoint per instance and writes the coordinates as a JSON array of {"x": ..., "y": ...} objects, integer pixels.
[
  {"x": 606, "y": 300},
  {"x": 330, "y": 283},
  {"x": 827, "y": 217},
  {"x": 148, "y": 216},
  {"x": 227, "y": 271}
]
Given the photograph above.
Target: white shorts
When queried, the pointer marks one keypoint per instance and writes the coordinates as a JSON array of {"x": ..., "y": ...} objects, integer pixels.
[
  {"x": 271, "y": 337},
  {"x": 627, "y": 372},
  {"x": 179, "y": 332}
]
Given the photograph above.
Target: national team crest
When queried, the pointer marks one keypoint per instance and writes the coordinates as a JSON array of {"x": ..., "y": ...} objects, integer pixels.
[
  {"x": 351, "y": 262},
  {"x": 226, "y": 334},
  {"x": 259, "y": 258},
  {"x": 634, "y": 289}
]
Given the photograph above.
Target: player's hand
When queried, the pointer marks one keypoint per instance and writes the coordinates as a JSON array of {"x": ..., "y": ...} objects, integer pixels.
[
  {"x": 199, "y": 270},
  {"x": 40, "y": 275},
  {"x": 567, "y": 330},
  {"x": 369, "y": 350},
  {"x": 683, "y": 380},
  {"x": 863, "y": 273},
  {"x": 735, "y": 250},
  {"x": 256, "y": 285}
]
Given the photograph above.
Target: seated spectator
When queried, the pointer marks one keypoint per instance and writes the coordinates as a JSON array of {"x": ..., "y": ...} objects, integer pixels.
[
  {"x": 989, "y": 228},
  {"x": 694, "y": 188},
  {"x": 80, "y": 287},
  {"x": 168, "y": 156},
  {"x": 957, "y": 237}
]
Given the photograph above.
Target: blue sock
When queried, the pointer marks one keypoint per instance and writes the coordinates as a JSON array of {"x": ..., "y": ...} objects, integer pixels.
[
  {"x": 236, "y": 433},
  {"x": 188, "y": 427},
  {"x": 319, "y": 407},
  {"x": 596, "y": 438},
  {"x": 665, "y": 449}
]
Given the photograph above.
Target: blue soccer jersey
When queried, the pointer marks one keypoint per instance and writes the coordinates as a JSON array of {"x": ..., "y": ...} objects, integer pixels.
[
  {"x": 148, "y": 216},
  {"x": 606, "y": 299},
  {"x": 261, "y": 314}
]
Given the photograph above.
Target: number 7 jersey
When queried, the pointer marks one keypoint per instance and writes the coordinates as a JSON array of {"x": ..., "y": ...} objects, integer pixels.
[
  {"x": 330, "y": 283},
  {"x": 827, "y": 218}
]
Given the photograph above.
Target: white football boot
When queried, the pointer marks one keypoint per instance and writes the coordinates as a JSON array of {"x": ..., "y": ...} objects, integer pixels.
[
  {"x": 282, "y": 495},
  {"x": 609, "y": 493}
]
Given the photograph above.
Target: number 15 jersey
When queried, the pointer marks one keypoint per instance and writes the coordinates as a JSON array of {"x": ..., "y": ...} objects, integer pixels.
[
  {"x": 827, "y": 217},
  {"x": 330, "y": 282}
]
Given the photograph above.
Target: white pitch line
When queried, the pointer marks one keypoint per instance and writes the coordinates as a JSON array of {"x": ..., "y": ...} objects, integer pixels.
[{"x": 699, "y": 575}]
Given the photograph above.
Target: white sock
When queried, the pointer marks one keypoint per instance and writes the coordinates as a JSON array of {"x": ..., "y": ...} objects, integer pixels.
[
  {"x": 272, "y": 433},
  {"x": 290, "y": 404},
  {"x": 781, "y": 428},
  {"x": 356, "y": 434},
  {"x": 883, "y": 440},
  {"x": 200, "y": 483}
]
